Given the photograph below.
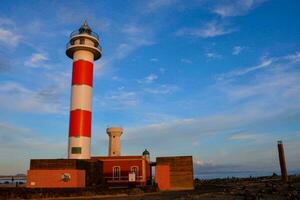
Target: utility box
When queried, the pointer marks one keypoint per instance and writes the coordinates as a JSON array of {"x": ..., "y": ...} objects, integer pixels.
[{"x": 131, "y": 177}]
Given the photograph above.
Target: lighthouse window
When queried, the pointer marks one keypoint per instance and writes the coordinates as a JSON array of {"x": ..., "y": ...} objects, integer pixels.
[
  {"x": 81, "y": 40},
  {"x": 135, "y": 169},
  {"x": 116, "y": 173},
  {"x": 76, "y": 150}
]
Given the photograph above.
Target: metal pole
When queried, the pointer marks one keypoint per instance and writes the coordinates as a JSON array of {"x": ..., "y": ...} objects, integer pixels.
[{"x": 284, "y": 176}]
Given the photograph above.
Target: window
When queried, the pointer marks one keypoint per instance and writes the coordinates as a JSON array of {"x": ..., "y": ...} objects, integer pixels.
[
  {"x": 135, "y": 169},
  {"x": 81, "y": 40},
  {"x": 116, "y": 173},
  {"x": 76, "y": 150}
]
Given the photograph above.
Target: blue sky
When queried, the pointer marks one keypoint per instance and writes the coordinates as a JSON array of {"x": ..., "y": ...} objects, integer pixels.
[{"x": 218, "y": 80}]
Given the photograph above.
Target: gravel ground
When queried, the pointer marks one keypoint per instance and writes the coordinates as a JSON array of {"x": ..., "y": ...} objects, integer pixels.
[{"x": 244, "y": 189}]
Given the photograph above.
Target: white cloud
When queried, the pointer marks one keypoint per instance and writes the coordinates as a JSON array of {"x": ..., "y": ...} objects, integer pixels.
[
  {"x": 6, "y": 21},
  {"x": 235, "y": 7},
  {"x": 162, "y": 70},
  {"x": 149, "y": 79},
  {"x": 8, "y": 37},
  {"x": 162, "y": 89},
  {"x": 293, "y": 57},
  {"x": 154, "y": 60},
  {"x": 208, "y": 30},
  {"x": 17, "y": 97},
  {"x": 240, "y": 72},
  {"x": 212, "y": 55},
  {"x": 186, "y": 61},
  {"x": 7, "y": 127},
  {"x": 36, "y": 60},
  {"x": 155, "y": 5},
  {"x": 24, "y": 144},
  {"x": 244, "y": 136},
  {"x": 272, "y": 90},
  {"x": 120, "y": 99},
  {"x": 237, "y": 50}
]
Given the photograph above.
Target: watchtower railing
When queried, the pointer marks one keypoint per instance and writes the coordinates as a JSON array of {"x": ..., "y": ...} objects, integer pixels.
[{"x": 74, "y": 33}]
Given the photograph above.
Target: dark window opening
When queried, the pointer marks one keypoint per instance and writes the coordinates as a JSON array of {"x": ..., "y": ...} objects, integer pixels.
[
  {"x": 81, "y": 40},
  {"x": 76, "y": 150}
]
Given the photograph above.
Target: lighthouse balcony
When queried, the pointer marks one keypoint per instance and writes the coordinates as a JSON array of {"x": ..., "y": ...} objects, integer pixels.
[{"x": 83, "y": 44}]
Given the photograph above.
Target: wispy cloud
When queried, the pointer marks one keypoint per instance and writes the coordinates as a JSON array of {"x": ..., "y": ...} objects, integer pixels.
[
  {"x": 275, "y": 87},
  {"x": 212, "y": 55},
  {"x": 36, "y": 60},
  {"x": 158, "y": 4},
  {"x": 162, "y": 89},
  {"x": 293, "y": 57},
  {"x": 235, "y": 7},
  {"x": 264, "y": 63},
  {"x": 208, "y": 30},
  {"x": 237, "y": 50},
  {"x": 148, "y": 79},
  {"x": 8, "y": 34},
  {"x": 24, "y": 144},
  {"x": 135, "y": 36},
  {"x": 244, "y": 136},
  {"x": 186, "y": 61},
  {"x": 46, "y": 100},
  {"x": 154, "y": 60},
  {"x": 5, "y": 65},
  {"x": 120, "y": 99},
  {"x": 240, "y": 72}
]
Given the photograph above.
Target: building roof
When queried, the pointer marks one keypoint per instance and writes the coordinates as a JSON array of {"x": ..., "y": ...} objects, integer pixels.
[{"x": 117, "y": 157}]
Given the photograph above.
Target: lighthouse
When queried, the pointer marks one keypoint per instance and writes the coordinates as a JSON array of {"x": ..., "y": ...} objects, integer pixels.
[{"x": 84, "y": 49}]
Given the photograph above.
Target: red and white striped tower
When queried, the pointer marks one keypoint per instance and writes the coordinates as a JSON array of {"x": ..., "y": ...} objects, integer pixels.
[{"x": 83, "y": 48}]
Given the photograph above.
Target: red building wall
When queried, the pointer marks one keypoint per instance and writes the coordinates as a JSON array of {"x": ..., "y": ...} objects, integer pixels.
[
  {"x": 162, "y": 177},
  {"x": 53, "y": 178},
  {"x": 125, "y": 163}
]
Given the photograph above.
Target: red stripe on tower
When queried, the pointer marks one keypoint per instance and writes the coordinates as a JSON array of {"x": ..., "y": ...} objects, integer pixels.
[
  {"x": 80, "y": 123},
  {"x": 82, "y": 73}
]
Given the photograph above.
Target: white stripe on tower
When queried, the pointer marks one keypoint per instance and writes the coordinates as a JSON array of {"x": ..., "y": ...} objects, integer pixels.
[{"x": 81, "y": 97}]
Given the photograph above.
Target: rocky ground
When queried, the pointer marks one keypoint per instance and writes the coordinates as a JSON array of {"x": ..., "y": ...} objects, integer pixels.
[{"x": 248, "y": 188}]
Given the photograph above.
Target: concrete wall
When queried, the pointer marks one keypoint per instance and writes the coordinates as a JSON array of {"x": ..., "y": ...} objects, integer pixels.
[{"x": 180, "y": 175}]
